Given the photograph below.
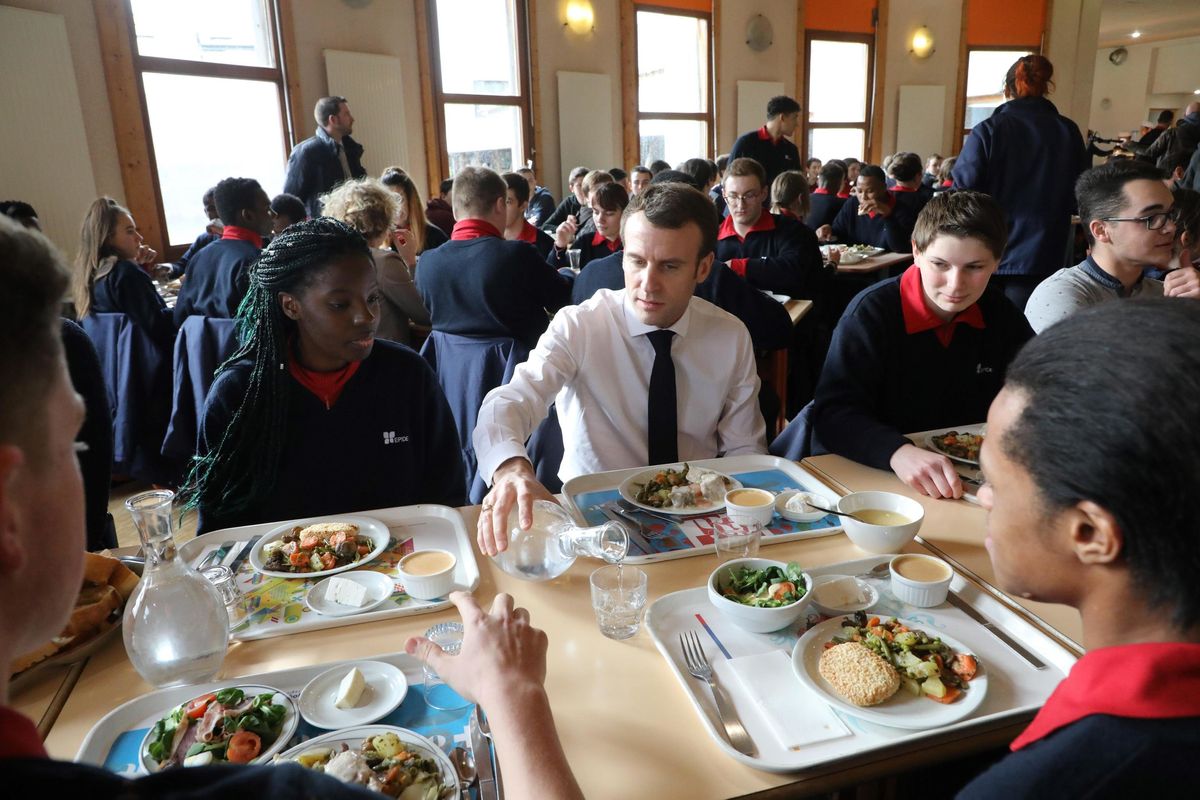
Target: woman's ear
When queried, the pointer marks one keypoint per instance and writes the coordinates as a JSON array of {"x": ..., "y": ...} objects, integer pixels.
[{"x": 290, "y": 305}]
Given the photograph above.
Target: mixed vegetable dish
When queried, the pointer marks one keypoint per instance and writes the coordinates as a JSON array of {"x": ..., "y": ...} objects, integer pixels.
[
  {"x": 315, "y": 550},
  {"x": 383, "y": 763},
  {"x": 960, "y": 445}
]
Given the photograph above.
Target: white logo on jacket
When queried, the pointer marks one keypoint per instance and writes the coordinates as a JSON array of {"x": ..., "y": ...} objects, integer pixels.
[{"x": 390, "y": 437}]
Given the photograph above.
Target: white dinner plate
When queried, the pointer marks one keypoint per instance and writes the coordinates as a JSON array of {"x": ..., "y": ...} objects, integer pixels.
[
  {"x": 629, "y": 491},
  {"x": 353, "y": 737},
  {"x": 901, "y": 710},
  {"x": 379, "y": 588},
  {"x": 385, "y": 689},
  {"x": 367, "y": 526},
  {"x": 291, "y": 720},
  {"x": 978, "y": 429}
]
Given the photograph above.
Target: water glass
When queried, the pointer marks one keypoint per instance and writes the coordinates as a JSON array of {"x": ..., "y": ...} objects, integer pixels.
[
  {"x": 226, "y": 584},
  {"x": 573, "y": 257},
  {"x": 619, "y": 600},
  {"x": 737, "y": 541},
  {"x": 438, "y": 694}
]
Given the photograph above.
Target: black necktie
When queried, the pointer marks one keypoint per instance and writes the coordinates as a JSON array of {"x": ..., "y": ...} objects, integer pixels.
[{"x": 662, "y": 433}]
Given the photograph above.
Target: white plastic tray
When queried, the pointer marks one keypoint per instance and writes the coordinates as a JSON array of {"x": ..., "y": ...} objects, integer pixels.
[
  {"x": 1015, "y": 687},
  {"x": 277, "y": 606},
  {"x": 695, "y": 537}
]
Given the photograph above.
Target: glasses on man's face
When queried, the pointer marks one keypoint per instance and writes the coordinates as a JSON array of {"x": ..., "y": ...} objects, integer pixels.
[
  {"x": 736, "y": 199},
  {"x": 1153, "y": 222}
]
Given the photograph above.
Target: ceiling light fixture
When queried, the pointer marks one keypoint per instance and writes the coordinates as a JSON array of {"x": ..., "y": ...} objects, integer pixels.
[{"x": 1135, "y": 35}]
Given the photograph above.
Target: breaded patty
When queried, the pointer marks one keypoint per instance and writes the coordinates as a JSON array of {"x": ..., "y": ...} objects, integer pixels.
[
  {"x": 329, "y": 528},
  {"x": 859, "y": 674}
]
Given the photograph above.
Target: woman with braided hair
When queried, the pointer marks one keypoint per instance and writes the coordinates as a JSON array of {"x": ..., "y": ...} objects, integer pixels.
[{"x": 312, "y": 415}]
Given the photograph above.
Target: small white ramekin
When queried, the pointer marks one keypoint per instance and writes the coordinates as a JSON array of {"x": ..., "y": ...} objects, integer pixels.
[
  {"x": 428, "y": 587},
  {"x": 759, "y": 514},
  {"x": 923, "y": 594}
]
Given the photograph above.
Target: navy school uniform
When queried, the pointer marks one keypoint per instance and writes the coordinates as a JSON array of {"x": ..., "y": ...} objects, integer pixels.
[
  {"x": 823, "y": 207},
  {"x": 202, "y": 241},
  {"x": 218, "y": 278},
  {"x": 880, "y": 381},
  {"x": 486, "y": 286},
  {"x": 569, "y": 205},
  {"x": 590, "y": 246},
  {"x": 389, "y": 440},
  {"x": 779, "y": 254},
  {"x": 127, "y": 289},
  {"x": 775, "y": 156},
  {"x": 541, "y": 241},
  {"x": 893, "y": 232},
  {"x": 434, "y": 237}
]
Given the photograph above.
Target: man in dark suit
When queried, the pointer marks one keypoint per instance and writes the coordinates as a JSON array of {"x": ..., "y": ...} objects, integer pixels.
[
  {"x": 769, "y": 144},
  {"x": 327, "y": 158}
]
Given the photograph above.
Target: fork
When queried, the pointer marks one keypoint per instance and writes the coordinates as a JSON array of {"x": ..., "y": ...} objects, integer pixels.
[
  {"x": 697, "y": 664},
  {"x": 216, "y": 556}
]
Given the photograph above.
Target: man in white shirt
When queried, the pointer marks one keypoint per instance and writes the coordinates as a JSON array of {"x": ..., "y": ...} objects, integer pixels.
[{"x": 609, "y": 362}]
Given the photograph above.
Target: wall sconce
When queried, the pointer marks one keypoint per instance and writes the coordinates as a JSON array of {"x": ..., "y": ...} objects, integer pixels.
[
  {"x": 581, "y": 18},
  {"x": 921, "y": 44}
]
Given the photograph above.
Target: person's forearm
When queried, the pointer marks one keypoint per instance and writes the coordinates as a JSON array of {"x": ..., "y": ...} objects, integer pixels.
[{"x": 531, "y": 757}]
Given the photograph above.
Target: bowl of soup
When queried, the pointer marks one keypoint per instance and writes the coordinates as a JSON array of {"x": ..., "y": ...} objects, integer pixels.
[
  {"x": 920, "y": 580},
  {"x": 428, "y": 574},
  {"x": 750, "y": 506},
  {"x": 887, "y": 521}
]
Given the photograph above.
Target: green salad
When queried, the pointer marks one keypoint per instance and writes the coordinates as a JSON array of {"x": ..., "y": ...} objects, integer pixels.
[{"x": 772, "y": 587}]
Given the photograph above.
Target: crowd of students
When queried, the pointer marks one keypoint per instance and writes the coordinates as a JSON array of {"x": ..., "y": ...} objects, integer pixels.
[{"x": 643, "y": 351}]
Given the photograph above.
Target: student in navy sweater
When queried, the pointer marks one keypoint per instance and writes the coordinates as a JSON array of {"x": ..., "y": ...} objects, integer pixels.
[
  {"x": 218, "y": 277},
  {"x": 314, "y": 416},
  {"x": 110, "y": 273},
  {"x": 1069, "y": 522},
  {"x": 517, "y": 226},
  {"x": 606, "y": 202},
  {"x": 570, "y": 204},
  {"x": 922, "y": 351},
  {"x": 872, "y": 216},
  {"x": 769, "y": 145},
  {"x": 477, "y": 284},
  {"x": 825, "y": 201},
  {"x": 770, "y": 251}
]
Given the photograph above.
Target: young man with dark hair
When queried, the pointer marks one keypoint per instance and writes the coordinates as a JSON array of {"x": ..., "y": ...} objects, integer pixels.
[
  {"x": 1080, "y": 513},
  {"x": 639, "y": 179},
  {"x": 769, "y": 144},
  {"x": 574, "y": 200},
  {"x": 771, "y": 251},
  {"x": 217, "y": 278},
  {"x": 478, "y": 284},
  {"x": 812, "y": 171},
  {"x": 701, "y": 173},
  {"x": 327, "y": 158},
  {"x": 691, "y": 362},
  {"x": 1184, "y": 137},
  {"x": 287, "y": 210},
  {"x": 932, "y": 165},
  {"x": 1164, "y": 120},
  {"x": 620, "y": 176},
  {"x": 658, "y": 165},
  {"x": 825, "y": 201},
  {"x": 872, "y": 216},
  {"x": 606, "y": 201},
  {"x": 22, "y": 212},
  {"x": 1129, "y": 219},
  {"x": 853, "y": 167},
  {"x": 516, "y": 221},
  {"x": 541, "y": 202},
  {"x": 925, "y": 350},
  {"x": 1174, "y": 166}
]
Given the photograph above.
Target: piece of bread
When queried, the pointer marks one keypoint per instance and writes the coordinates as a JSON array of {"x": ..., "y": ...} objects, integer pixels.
[
  {"x": 858, "y": 674},
  {"x": 329, "y": 529}
]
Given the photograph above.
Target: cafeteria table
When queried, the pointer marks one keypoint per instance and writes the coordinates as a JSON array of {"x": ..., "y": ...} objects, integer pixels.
[
  {"x": 42, "y": 696},
  {"x": 875, "y": 264},
  {"x": 627, "y": 727}
]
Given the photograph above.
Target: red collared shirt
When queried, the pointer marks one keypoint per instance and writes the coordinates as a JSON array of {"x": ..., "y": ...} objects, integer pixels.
[
  {"x": 844, "y": 195},
  {"x": 891, "y": 203},
  {"x": 528, "y": 234},
  {"x": 821, "y": 190},
  {"x": 598, "y": 239},
  {"x": 327, "y": 386},
  {"x": 765, "y": 222},
  {"x": 917, "y": 316},
  {"x": 242, "y": 235},
  {"x": 18, "y": 736},
  {"x": 899, "y": 188},
  {"x": 473, "y": 229},
  {"x": 1154, "y": 680},
  {"x": 765, "y": 135}
]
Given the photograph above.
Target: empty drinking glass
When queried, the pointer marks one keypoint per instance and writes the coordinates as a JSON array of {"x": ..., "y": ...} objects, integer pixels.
[
  {"x": 438, "y": 694},
  {"x": 573, "y": 257},
  {"x": 737, "y": 541}
]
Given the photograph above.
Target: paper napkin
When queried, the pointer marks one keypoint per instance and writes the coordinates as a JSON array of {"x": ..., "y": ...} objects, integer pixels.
[{"x": 794, "y": 715}]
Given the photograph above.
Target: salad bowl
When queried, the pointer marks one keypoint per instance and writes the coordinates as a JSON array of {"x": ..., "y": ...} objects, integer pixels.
[{"x": 752, "y": 579}]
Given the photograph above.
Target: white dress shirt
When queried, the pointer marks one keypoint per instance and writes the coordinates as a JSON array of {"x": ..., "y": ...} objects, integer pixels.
[{"x": 594, "y": 361}]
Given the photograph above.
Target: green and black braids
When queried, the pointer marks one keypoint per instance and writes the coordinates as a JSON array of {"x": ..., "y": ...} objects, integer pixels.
[{"x": 241, "y": 467}]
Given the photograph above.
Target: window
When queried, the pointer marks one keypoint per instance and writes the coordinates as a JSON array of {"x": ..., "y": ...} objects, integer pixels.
[
  {"x": 674, "y": 86},
  {"x": 986, "y": 68},
  {"x": 481, "y": 84},
  {"x": 837, "y": 96},
  {"x": 213, "y": 92}
]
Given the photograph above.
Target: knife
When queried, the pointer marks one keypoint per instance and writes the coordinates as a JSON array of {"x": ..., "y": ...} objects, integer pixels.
[
  {"x": 482, "y": 751},
  {"x": 991, "y": 628},
  {"x": 242, "y": 556}
]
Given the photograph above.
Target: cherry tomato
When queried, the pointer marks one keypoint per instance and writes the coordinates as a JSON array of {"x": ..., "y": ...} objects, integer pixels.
[
  {"x": 243, "y": 747},
  {"x": 196, "y": 708}
]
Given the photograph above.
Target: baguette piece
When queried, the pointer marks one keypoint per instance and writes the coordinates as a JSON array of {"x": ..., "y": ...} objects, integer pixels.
[
  {"x": 328, "y": 529},
  {"x": 858, "y": 674}
]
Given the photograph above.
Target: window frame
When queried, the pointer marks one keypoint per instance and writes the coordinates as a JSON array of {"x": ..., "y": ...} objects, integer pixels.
[
  {"x": 709, "y": 116},
  {"x": 278, "y": 19},
  {"x": 867, "y": 125},
  {"x": 960, "y": 108},
  {"x": 435, "y": 99}
]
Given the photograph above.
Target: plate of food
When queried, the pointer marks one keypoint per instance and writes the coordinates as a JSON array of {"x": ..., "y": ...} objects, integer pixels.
[
  {"x": 314, "y": 548},
  {"x": 234, "y": 725},
  {"x": 961, "y": 445},
  {"x": 890, "y": 672},
  {"x": 864, "y": 250},
  {"x": 678, "y": 489},
  {"x": 352, "y": 694},
  {"x": 393, "y": 761}
]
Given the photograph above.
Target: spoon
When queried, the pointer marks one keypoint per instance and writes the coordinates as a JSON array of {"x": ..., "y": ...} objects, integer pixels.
[
  {"x": 837, "y": 513},
  {"x": 878, "y": 571},
  {"x": 464, "y": 765}
]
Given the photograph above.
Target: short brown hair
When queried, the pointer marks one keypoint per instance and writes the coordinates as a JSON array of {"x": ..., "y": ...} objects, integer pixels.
[
  {"x": 789, "y": 187},
  {"x": 963, "y": 215},
  {"x": 745, "y": 168},
  {"x": 475, "y": 192},
  {"x": 517, "y": 184},
  {"x": 674, "y": 205},
  {"x": 364, "y": 204},
  {"x": 611, "y": 196},
  {"x": 33, "y": 282},
  {"x": 327, "y": 107},
  {"x": 594, "y": 179}
]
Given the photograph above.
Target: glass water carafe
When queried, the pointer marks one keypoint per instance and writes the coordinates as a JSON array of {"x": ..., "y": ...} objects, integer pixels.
[
  {"x": 176, "y": 629},
  {"x": 554, "y": 541}
]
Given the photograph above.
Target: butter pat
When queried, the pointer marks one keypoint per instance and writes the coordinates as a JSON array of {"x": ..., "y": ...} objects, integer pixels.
[
  {"x": 840, "y": 593},
  {"x": 350, "y": 690},
  {"x": 346, "y": 592}
]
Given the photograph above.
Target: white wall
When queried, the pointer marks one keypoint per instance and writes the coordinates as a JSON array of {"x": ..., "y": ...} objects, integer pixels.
[
  {"x": 1122, "y": 96},
  {"x": 944, "y": 20}
]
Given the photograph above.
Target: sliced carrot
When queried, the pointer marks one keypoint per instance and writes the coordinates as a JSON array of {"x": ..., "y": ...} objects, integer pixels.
[
  {"x": 297, "y": 558},
  {"x": 965, "y": 666},
  {"x": 873, "y": 622},
  {"x": 950, "y": 696}
]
